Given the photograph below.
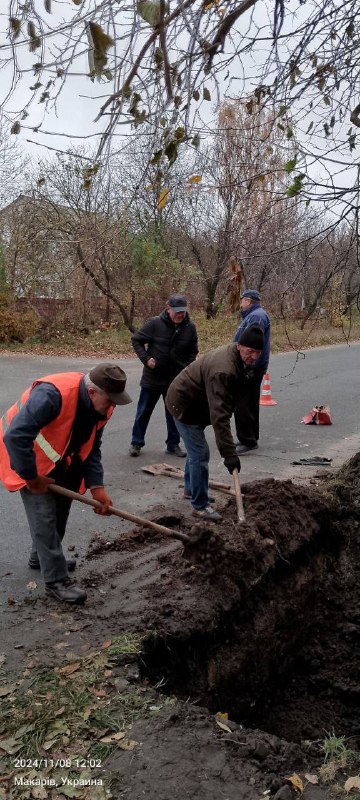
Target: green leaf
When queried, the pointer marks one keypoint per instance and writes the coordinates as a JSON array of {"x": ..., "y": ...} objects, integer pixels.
[
  {"x": 326, "y": 99},
  {"x": 156, "y": 157},
  {"x": 290, "y": 165},
  {"x": 296, "y": 186},
  {"x": 171, "y": 151},
  {"x": 179, "y": 133}
]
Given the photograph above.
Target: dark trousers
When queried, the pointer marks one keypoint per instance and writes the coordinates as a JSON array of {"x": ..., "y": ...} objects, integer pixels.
[
  {"x": 145, "y": 407},
  {"x": 246, "y": 412}
]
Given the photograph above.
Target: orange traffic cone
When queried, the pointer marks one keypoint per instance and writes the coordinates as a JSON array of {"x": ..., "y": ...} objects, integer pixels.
[{"x": 266, "y": 399}]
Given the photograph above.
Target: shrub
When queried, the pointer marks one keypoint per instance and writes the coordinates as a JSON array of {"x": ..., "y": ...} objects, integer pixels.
[{"x": 17, "y": 326}]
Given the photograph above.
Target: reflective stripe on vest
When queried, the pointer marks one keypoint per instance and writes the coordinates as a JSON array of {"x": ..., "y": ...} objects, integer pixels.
[
  {"x": 4, "y": 420},
  {"x": 40, "y": 440},
  {"x": 47, "y": 448}
]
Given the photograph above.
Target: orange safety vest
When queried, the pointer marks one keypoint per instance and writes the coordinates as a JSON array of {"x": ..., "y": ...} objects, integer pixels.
[{"x": 52, "y": 441}]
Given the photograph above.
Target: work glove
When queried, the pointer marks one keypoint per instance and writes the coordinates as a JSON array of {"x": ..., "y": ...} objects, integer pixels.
[
  {"x": 102, "y": 497},
  {"x": 232, "y": 463},
  {"x": 39, "y": 485}
]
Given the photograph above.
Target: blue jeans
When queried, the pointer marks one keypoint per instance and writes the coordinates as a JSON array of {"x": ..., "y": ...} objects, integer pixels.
[
  {"x": 196, "y": 478},
  {"x": 145, "y": 407}
]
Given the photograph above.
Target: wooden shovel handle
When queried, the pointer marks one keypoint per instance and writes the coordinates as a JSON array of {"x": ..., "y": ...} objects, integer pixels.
[
  {"x": 238, "y": 495},
  {"x": 118, "y": 513}
]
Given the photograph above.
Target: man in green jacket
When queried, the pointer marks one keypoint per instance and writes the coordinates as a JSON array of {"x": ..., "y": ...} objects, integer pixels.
[{"x": 205, "y": 393}]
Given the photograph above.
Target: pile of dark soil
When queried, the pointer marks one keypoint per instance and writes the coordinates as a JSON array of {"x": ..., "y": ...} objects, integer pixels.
[
  {"x": 260, "y": 619},
  {"x": 273, "y": 617}
]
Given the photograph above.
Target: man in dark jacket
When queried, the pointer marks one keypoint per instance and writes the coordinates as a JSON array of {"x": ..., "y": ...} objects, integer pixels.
[
  {"x": 165, "y": 345},
  {"x": 205, "y": 393},
  {"x": 53, "y": 434},
  {"x": 246, "y": 412}
]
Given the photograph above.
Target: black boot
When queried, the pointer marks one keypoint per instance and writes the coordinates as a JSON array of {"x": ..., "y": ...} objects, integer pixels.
[{"x": 66, "y": 591}]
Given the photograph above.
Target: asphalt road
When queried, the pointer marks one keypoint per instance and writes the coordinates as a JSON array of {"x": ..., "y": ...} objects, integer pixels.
[{"x": 324, "y": 376}]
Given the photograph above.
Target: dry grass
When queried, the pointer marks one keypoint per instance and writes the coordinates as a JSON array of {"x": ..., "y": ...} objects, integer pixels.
[{"x": 116, "y": 342}]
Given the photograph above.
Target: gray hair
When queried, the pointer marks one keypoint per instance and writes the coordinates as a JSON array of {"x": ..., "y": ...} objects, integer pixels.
[{"x": 90, "y": 385}]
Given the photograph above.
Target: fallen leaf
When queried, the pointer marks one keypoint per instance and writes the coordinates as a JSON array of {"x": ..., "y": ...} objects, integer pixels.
[
  {"x": 98, "y": 692},
  {"x": 4, "y": 690},
  {"x": 351, "y": 783},
  {"x": 48, "y": 745},
  {"x": 223, "y": 726},
  {"x": 106, "y": 644},
  {"x": 127, "y": 744},
  {"x": 18, "y": 646},
  {"x": 311, "y": 778},
  {"x": 222, "y": 715},
  {"x": 296, "y": 782},
  {"x": 10, "y": 746},
  {"x": 114, "y": 737},
  {"x": 71, "y": 547},
  {"x": 31, "y": 586},
  {"x": 68, "y": 669},
  {"x": 11, "y": 601},
  {"x": 194, "y": 179},
  {"x": 39, "y": 792}
]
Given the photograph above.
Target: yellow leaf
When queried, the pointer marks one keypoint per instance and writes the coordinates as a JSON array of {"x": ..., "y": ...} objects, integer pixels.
[
  {"x": 352, "y": 783},
  {"x": 163, "y": 198},
  {"x": 194, "y": 179},
  {"x": 296, "y": 782},
  {"x": 211, "y": 4},
  {"x": 222, "y": 715}
]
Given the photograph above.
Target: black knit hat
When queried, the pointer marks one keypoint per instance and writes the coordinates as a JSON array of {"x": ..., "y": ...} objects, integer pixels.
[
  {"x": 252, "y": 337},
  {"x": 112, "y": 380}
]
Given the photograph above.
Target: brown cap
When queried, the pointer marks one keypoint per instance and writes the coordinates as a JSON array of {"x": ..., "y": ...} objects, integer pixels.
[{"x": 112, "y": 380}]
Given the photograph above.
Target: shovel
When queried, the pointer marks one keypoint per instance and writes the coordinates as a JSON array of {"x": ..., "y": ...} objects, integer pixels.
[
  {"x": 239, "y": 500},
  {"x": 176, "y": 472},
  {"x": 182, "y": 537}
]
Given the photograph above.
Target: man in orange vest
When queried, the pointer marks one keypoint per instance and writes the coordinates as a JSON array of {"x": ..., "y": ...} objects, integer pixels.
[{"x": 53, "y": 435}]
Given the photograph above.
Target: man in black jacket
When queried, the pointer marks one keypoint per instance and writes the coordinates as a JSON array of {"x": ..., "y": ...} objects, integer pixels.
[{"x": 165, "y": 345}]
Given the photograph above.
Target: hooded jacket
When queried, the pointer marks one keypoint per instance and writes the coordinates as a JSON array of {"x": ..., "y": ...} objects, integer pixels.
[{"x": 171, "y": 346}]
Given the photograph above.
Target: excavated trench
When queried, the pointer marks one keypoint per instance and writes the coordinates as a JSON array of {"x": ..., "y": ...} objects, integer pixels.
[{"x": 266, "y": 627}]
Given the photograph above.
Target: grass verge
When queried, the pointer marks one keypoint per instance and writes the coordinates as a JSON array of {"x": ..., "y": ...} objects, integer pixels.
[{"x": 59, "y": 725}]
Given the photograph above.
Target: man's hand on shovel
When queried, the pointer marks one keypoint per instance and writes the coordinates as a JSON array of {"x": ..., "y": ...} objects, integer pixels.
[
  {"x": 39, "y": 485},
  {"x": 233, "y": 465},
  {"x": 101, "y": 496}
]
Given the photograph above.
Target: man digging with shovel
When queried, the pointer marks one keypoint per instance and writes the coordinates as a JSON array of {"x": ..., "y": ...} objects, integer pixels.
[
  {"x": 205, "y": 393},
  {"x": 53, "y": 435}
]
